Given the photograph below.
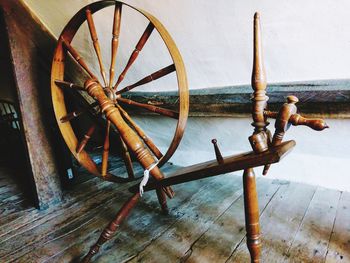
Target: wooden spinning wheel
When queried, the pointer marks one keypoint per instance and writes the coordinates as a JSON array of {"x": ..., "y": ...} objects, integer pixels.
[
  {"x": 113, "y": 89},
  {"x": 267, "y": 149}
]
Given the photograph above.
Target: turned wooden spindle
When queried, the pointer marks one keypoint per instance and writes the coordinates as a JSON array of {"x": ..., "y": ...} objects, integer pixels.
[
  {"x": 251, "y": 209},
  {"x": 112, "y": 227},
  {"x": 105, "y": 154},
  {"x": 259, "y": 100},
  {"x": 95, "y": 43},
  {"x": 77, "y": 57},
  {"x": 218, "y": 155},
  {"x": 115, "y": 40},
  {"x": 130, "y": 138},
  {"x": 155, "y": 109},
  {"x": 282, "y": 123},
  {"x": 258, "y": 81},
  {"x": 74, "y": 114},
  {"x": 127, "y": 159},
  {"x": 66, "y": 84},
  {"x": 140, "y": 44},
  {"x": 86, "y": 138},
  {"x": 154, "y": 76}
]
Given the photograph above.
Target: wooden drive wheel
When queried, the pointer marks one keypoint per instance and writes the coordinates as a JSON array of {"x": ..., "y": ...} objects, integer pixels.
[{"x": 113, "y": 89}]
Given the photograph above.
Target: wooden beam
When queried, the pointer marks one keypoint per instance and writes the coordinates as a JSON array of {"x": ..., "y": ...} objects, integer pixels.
[
  {"x": 213, "y": 168},
  {"x": 323, "y": 98},
  {"x": 30, "y": 48}
]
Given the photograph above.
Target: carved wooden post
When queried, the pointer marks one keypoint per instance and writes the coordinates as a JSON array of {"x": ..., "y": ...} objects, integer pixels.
[
  {"x": 112, "y": 227},
  {"x": 259, "y": 99},
  {"x": 251, "y": 209}
]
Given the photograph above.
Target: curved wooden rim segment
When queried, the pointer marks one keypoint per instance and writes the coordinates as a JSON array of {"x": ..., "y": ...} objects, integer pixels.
[{"x": 57, "y": 73}]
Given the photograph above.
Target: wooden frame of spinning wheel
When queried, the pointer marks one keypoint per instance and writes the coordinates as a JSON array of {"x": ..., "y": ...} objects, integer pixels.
[{"x": 58, "y": 84}]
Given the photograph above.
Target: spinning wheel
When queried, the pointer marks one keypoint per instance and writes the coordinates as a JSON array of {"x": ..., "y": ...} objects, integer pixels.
[
  {"x": 114, "y": 91},
  {"x": 267, "y": 149}
]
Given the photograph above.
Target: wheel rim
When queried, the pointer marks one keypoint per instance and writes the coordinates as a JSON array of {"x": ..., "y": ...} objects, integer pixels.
[{"x": 58, "y": 71}]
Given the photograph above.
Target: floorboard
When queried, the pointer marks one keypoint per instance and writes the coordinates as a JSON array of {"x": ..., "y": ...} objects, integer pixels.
[
  {"x": 299, "y": 223},
  {"x": 311, "y": 241},
  {"x": 280, "y": 222},
  {"x": 228, "y": 231},
  {"x": 339, "y": 246}
]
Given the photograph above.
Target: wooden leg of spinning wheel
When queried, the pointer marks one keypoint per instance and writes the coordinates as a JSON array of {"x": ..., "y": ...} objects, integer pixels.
[
  {"x": 112, "y": 227},
  {"x": 251, "y": 210},
  {"x": 127, "y": 160},
  {"x": 162, "y": 201}
]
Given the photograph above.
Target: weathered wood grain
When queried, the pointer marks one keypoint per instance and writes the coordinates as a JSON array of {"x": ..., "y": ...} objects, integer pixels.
[
  {"x": 25, "y": 46},
  {"x": 319, "y": 98},
  {"x": 201, "y": 213},
  {"x": 24, "y": 217},
  {"x": 339, "y": 246},
  {"x": 218, "y": 243},
  {"x": 218, "y": 237},
  {"x": 45, "y": 228},
  {"x": 311, "y": 242},
  {"x": 145, "y": 224},
  {"x": 280, "y": 223}
]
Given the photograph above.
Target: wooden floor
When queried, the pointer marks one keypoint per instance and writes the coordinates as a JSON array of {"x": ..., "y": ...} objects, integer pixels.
[{"x": 300, "y": 223}]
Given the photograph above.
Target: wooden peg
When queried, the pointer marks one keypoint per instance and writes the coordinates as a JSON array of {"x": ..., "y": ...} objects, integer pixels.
[
  {"x": 282, "y": 123},
  {"x": 217, "y": 152},
  {"x": 86, "y": 138},
  {"x": 297, "y": 119},
  {"x": 315, "y": 124}
]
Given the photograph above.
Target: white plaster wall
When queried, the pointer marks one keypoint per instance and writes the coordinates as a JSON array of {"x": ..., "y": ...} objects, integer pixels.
[{"x": 303, "y": 40}]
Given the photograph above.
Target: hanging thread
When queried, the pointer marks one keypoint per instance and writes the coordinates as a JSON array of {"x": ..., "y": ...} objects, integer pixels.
[{"x": 146, "y": 177}]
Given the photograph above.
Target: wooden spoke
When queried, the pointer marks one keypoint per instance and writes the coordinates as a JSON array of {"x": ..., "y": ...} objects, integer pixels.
[
  {"x": 156, "y": 75},
  {"x": 95, "y": 42},
  {"x": 72, "y": 115},
  {"x": 141, "y": 133},
  {"x": 146, "y": 34},
  {"x": 86, "y": 138},
  {"x": 77, "y": 113},
  {"x": 77, "y": 57},
  {"x": 115, "y": 40},
  {"x": 66, "y": 84},
  {"x": 127, "y": 159},
  {"x": 159, "y": 110},
  {"x": 105, "y": 150}
]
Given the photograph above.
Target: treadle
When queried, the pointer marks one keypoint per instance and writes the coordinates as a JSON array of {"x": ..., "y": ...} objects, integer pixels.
[{"x": 212, "y": 168}]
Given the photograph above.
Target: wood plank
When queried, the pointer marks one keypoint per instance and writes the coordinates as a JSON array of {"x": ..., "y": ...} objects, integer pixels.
[
  {"x": 44, "y": 228},
  {"x": 279, "y": 223},
  {"x": 145, "y": 223},
  {"x": 200, "y": 214},
  {"x": 23, "y": 218},
  {"x": 318, "y": 98},
  {"x": 311, "y": 241},
  {"x": 218, "y": 243},
  {"x": 339, "y": 246},
  {"x": 25, "y": 45}
]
